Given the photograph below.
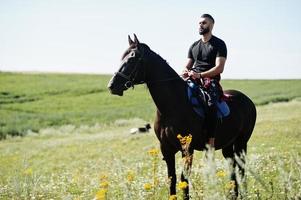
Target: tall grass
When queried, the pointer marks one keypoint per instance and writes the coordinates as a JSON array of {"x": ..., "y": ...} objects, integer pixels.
[
  {"x": 85, "y": 162},
  {"x": 111, "y": 164}
]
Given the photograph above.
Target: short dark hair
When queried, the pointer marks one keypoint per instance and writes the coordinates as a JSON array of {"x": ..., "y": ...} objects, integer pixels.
[{"x": 208, "y": 16}]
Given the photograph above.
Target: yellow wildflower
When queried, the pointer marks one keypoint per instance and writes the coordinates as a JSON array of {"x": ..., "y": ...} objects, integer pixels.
[
  {"x": 220, "y": 173},
  {"x": 130, "y": 176},
  {"x": 230, "y": 185},
  {"x": 148, "y": 186},
  {"x": 103, "y": 177},
  {"x": 188, "y": 139},
  {"x": 185, "y": 140},
  {"x": 153, "y": 152},
  {"x": 28, "y": 172},
  {"x": 104, "y": 184},
  {"x": 101, "y": 194},
  {"x": 183, "y": 185},
  {"x": 179, "y": 136},
  {"x": 173, "y": 197}
]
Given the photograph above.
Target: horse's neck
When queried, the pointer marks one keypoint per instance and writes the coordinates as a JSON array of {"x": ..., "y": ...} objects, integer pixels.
[
  {"x": 166, "y": 87},
  {"x": 158, "y": 69},
  {"x": 168, "y": 97}
]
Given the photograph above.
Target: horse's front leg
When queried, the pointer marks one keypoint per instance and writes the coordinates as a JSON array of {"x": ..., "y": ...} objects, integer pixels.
[
  {"x": 171, "y": 171},
  {"x": 188, "y": 157}
]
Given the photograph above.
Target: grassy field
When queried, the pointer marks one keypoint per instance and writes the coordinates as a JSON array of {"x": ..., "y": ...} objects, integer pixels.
[
  {"x": 36, "y": 101},
  {"x": 82, "y": 148},
  {"x": 84, "y": 162}
]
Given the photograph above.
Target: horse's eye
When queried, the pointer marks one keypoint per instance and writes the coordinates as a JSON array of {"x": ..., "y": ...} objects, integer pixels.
[{"x": 132, "y": 54}]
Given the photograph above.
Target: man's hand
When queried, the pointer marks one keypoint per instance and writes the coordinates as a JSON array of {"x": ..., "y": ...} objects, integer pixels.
[
  {"x": 185, "y": 74},
  {"x": 194, "y": 75}
]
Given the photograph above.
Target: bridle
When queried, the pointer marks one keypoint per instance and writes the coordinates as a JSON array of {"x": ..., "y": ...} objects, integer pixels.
[{"x": 131, "y": 78}]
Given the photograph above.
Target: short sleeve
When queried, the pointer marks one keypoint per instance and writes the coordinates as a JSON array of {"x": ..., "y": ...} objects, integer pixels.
[
  {"x": 190, "y": 54},
  {"x": 222, "y": 50}
]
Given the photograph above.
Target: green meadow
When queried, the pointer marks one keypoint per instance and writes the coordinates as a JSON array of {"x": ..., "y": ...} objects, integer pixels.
[
  {"x": 36, "y": 101},
  {"x": 65, "y": 137}
]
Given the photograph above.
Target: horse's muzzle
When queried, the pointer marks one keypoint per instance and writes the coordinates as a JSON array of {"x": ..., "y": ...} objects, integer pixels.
[{"x": 114, "y": 90}]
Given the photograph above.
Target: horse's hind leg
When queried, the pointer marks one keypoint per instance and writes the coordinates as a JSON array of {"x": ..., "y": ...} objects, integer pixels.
[
  {"x": 228, "y": 153},
  {"x": 236, "y": 153},
  {"x": 240, "y": 150},
  {"x": 188, "y": 157}
]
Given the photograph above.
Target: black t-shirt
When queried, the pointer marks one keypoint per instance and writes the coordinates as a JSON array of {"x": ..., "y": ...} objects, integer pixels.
[{"x": 204, "y": 54}]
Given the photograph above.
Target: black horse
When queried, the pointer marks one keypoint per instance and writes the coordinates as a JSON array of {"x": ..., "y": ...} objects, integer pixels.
[{"x": 175, "y": 114}]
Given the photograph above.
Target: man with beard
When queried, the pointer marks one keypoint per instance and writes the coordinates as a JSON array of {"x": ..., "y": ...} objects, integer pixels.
[{"x": 207, "y": 57}]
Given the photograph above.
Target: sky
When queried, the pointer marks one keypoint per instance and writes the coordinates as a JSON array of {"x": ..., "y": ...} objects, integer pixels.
[{"x": 263, "y": 38}]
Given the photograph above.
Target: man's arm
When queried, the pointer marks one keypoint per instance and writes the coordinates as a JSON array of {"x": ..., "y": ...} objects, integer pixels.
[
  {"x": 217, "y": 69},
  {"x": 187, "y": 68},
  {"x": 189, "y": 64}
]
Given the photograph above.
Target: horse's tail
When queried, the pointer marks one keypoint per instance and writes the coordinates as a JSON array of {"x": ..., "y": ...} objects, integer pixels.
[
  {"x": 250, "y": 121},
  {"x": 248, "y": 110}
]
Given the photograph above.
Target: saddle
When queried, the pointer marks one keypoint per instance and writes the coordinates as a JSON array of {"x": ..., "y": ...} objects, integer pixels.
[{"x": 198, "y": 99}]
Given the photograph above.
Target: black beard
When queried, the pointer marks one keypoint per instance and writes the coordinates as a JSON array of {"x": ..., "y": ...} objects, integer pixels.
[{"x": 204, "y": 31}]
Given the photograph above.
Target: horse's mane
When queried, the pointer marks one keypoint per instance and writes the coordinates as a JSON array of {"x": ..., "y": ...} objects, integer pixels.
[
  {"x": 146, "y": 50},
  {"x": 156, "y": 58},
  {"x": 154, "y": 54}
]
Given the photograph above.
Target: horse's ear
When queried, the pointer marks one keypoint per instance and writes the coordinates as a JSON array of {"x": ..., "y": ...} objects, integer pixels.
[
  {"x": 136, "y": 39},
  {"x": 130, "y": 40}
]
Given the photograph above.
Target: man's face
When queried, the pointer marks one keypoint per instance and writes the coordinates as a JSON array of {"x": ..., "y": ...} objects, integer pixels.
[{"x": 206, "y": 26}]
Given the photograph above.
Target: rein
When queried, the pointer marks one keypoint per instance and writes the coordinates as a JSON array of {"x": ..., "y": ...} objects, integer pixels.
[
  {"x": 163, "y": 80},
  {"x": 130, "y": 81}
]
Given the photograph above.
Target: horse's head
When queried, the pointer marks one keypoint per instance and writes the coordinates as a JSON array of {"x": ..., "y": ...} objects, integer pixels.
[{"x": 131, "y": 71}]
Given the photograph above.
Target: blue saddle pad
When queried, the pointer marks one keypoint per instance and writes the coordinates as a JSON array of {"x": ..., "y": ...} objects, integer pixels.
[{"x": 197, "y": 98}]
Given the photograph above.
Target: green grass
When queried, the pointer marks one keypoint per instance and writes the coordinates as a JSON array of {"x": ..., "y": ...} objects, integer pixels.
[
  {"x": 80, "y": 132},
  {"x": 36, "y": 101},
  {"x": 267, "y": 91},
  {"x": 67, "y": 162}
]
